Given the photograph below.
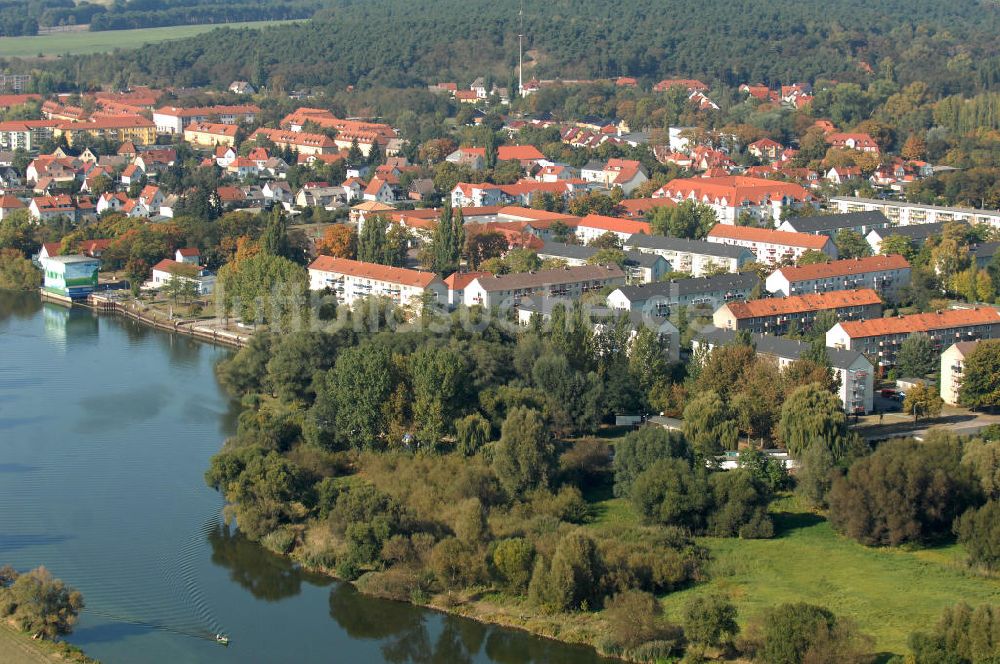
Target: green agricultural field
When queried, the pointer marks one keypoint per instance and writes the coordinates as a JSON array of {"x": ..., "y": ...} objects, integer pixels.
[
  {"x": 889, "y": 592},
  {"x": 73, "y": 43}
]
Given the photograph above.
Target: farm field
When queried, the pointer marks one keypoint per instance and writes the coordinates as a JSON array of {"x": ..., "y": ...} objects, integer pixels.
[
  {"x": 74, "y": 43},
  {"x": 889, "y": 593}
]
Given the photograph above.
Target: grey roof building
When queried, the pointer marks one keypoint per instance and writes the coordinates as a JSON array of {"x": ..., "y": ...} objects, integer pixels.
[
  {"x": 707, "y": 292},
  {"x": 855, "y": 371},
  {"x": 693, "y": 256},
  {"x": 640, "y": 267},
  {"x": 915, "y": 233},
  {"x": 830, "y": 224}
]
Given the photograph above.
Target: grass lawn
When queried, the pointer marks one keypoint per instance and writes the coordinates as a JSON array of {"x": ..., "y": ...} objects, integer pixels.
[
  {"x": 73, "y": 43},
  {"x": 890, "y": 593},
  {"x": 19, "y": 648}
]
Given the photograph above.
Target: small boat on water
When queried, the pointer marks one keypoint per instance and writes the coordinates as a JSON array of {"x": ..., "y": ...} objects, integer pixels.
[{"x": 222, "y": 639}]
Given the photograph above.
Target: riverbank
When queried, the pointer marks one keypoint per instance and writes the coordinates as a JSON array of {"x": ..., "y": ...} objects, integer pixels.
[
  {"x": 17, "y": 647},
  {"x": 211, "y": 330}
]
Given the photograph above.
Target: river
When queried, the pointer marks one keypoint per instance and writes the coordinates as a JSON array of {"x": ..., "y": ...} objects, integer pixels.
[{"x": 106, "y": 428}]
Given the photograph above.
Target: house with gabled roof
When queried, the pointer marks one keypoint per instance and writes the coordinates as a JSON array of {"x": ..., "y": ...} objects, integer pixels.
[
  {"x": 885, "y": 274},
  {"x": 774, "y": 315},
  {"x": 354, "y": 280},
  {"x": 10, "y": 204},
  {"x": 880, "y": 338},
  {"x": 772, "y": 247},
  {"x": 568, "y": 282},
  {"x": 593, "y": 226},
  {"x": 733, "y": 196}
]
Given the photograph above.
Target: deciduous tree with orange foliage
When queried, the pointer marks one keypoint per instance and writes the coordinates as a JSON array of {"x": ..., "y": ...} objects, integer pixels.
[{"x": 339, "y": 241}]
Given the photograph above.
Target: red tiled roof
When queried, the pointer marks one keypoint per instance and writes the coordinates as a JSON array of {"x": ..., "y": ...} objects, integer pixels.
[
  {"x": 395, "y": 275},
  {"x": 217, "y": 128},
  {"x": 616, "y": 224},
  {"x": 518, "y": 153},
  {"x": 780, "y": 306},
  {"x": 280, "y": 136},
  {"x": 734, "y": 189},
  {"x": 206, "y": 111},
  {"x": 784, "y": 238},
  {"x": 6, "y": 101},
  {"x": 459, "y": 280},
  {"x": 638, "y": 207},
  {"x": 189, "y": 251},
  {"x": 920, "y": 322},
  {"x": 845, "y": 267},
  {"x": 90, "y": 246},
  {"x": 176, "y": 267},
  {"x": 8, "y": 202},
  {"x": 109, "y": 122}
]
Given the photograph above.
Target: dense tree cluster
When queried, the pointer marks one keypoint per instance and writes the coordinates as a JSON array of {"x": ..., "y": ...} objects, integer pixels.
[
  {"x": 38, "y": 603},
  {"x": 592, "y": 40}
]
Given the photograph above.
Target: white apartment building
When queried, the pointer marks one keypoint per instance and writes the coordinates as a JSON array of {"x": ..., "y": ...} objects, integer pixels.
[
  {"x": 173, "y": 120},
  {"x": 772, "y": 247},
  {"x": 355, "y": 280},
  {"x": 885, "y": 274},
  {"x": 880, "y": 338},
  {"x": 900, "y": 213},
  {"x": 953, "y": 369},
  {"x": 569, "y": 282},
  {"x": 695, "y": 257}
]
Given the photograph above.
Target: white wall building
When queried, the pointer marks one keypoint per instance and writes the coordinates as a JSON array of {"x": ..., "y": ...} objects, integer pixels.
[{"x": 355, "y": 280}]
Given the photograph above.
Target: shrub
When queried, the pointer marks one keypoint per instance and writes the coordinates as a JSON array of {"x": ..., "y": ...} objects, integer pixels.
[
  {"x": 572, "y": 580},
  {"x": 279, "y": 541},
  {"x": 906, "y": 491},
  {"x": 672, "y": 493},
  {"x": 710, "y": 621},
  {"x": 641, "y": 449},
  {"x": 740, "y": 506},
  {"x": 797, "y": 633},
  {"x": 979, "y": 531},
  {"x": 632, "y": 618},
  {"x": 963, "y": 635},
  {"x": 512, "y": 563},
  {"x": 566, "y": 505}
]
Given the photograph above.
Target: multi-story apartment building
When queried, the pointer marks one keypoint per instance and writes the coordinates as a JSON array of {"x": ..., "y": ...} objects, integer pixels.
[
  {"x": 569, "y": 282},
  {"x": 830, "y": 224},
  {"x": 300, "y": 141},
  {"x": 706, "y": 293},
  {"x": 885, "y": 274},
  {"x": 14, "y": 82},
  {"x": 696, "y": 257},
  {"x": 640, "y": 268},
  {"x": 210, "y": 134},
  {"x": 735, "y": 195},
  {"x": 119, "y": 128},
  {"x": 953, "y": 370},
  {"x": 594, "y": 226},
  {"x": 900, "y": 213},
  {"x": 354, "y": 280},
  {"x": 774, "y": 315},
  {"x": 772, "y": 247},
  {"x": 173, "y": 120},
  {"x": 855, "y": 372},
  {"x": 25, "y": 134},
  {"x": 880, "y": 338}
]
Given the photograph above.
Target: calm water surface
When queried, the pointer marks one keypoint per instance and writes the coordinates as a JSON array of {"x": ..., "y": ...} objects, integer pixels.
[{"x": 106, "y": 428}]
